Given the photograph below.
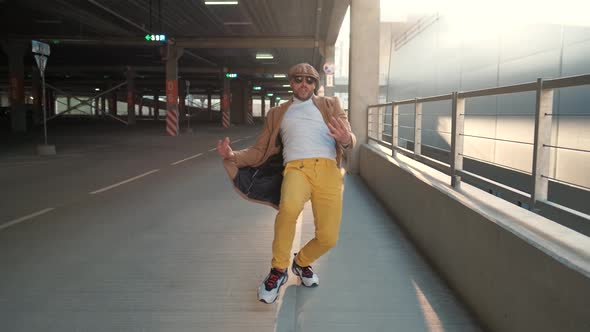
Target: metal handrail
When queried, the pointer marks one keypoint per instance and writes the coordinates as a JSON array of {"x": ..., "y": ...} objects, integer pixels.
[
  {"x": 567, "y": 82},
  {"x": 380, "y": 105},
  {"x": 544, "y": 90},
  {"x": 517, "y": 88}
]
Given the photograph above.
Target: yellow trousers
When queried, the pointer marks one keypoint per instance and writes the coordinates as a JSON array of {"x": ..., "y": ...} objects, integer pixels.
[{"x": 321, "y": 181}]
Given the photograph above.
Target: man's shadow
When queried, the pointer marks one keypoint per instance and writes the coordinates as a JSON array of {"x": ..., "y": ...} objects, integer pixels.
[
  {"x": 293, "y": 298},
  {"x": 286, "y": 316}
]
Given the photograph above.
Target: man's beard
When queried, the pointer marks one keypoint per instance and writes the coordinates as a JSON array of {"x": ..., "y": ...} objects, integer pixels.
[{"x": 308, "y": 96}]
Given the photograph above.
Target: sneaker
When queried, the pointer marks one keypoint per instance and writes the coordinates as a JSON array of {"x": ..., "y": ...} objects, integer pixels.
[
  {"x": 306, "y": 274},
  {"x": 269, "y": 289}
]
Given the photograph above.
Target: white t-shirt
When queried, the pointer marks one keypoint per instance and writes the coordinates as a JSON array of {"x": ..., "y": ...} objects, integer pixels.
[{"x": 305, "y": 134}]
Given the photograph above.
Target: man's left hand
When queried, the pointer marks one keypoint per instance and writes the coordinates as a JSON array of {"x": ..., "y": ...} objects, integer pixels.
[{"x": 339, "y": 131}]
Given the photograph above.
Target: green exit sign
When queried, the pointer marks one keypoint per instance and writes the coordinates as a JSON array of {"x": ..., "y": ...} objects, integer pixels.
[
  {"x": 157, "y": 38},
  {"x": 231, "y": 75}
]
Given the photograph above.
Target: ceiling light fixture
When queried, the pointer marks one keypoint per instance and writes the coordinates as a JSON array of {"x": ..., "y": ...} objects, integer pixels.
[
  {"x": 263, "y": 56},
  {"x": 237, "y": 23},
  {"x": 286, "y": 86},
  {"x": 280, "y": 76},
  {"x": 216, "y": 3}
]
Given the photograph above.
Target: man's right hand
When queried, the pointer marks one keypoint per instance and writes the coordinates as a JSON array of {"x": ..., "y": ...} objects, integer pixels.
[{"x": 224, "y": 149}]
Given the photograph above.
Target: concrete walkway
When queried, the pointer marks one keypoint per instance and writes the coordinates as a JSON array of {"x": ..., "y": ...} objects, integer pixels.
[{"x": 372, "y": 281}]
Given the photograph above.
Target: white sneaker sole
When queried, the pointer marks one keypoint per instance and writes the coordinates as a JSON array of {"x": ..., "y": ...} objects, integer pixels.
[
  {"x": 278, "y": 291},
  {"x": 315, "y": 284}
]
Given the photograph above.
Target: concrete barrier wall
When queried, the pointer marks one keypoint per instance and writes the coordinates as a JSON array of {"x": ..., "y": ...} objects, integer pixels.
[{"x": 515, "y": 270}]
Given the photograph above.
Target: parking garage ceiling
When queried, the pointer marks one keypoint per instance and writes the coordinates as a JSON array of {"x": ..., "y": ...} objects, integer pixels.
[{"x": 93, "y": 41}]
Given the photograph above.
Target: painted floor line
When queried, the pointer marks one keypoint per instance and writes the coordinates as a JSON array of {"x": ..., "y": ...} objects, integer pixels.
[
  {"x": 238, "y": 140},
  {"x": 23, "y": 163},
  {"x": 30, "y": 216},
  {"x": 186, "y": 159},
  {"x": 123, "y": 182},
  {"x": 213, "y": 149}
]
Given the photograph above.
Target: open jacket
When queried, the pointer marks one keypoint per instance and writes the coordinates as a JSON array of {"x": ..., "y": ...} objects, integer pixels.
[{"x": 257, "y": 172}]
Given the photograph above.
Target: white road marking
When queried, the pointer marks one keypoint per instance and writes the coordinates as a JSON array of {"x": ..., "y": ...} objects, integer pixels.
[
  {"x": 238, "y": 140},
  {"x": 213, "y": 149},
  {"x": 30, "y": 216},
  {"x": 123, "y": 182},
  {"x": 183, "y": 160}
]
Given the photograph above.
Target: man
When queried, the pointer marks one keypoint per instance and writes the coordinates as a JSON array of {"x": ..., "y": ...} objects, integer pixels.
[{"x": 310, "y": 133}]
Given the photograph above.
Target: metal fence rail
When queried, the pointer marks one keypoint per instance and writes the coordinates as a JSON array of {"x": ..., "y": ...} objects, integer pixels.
[{"x": 541, "y": 144}]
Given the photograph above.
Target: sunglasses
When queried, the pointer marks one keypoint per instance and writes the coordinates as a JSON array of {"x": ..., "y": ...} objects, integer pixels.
[{"x": 300, "y": 79}]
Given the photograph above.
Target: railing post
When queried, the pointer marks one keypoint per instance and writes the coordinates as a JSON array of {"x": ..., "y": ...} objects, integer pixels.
[
  {"x": 394, "y": 127},
  {"x": 541, "y": 156},
  {"x": 368, "y": 124},
  {"x": 381, "y": 122},
  {"x": 457, "y": 127},
  {"x": 418, "y": 129}
]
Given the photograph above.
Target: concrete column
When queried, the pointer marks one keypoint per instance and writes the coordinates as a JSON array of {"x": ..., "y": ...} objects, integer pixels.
[
  {"x": 182, "y": 101},
  {"x": 209, "y": 106},
  {"x": 272, "y": 101},
  {"x": 15, "y": 50},
  {"x": 364, "y": 70},
  {"x": 262, "y": 105},
  {"x": 225, "y": 103},
  {"x": 140, "y": 108},
  {"x": 237, "y": 106},
  {"x": 51, "y": 107},
  {"x": 172, "y": 114},
  {"x": 96, "y": 107},
  {"x": 113, "y": 102},
  {"x": 329, "y": 58},
  {"x": 37, "y": 96},
  {"x": 103, "y": 101},
  {"x": 156, "y": 107},
  {"x": 130, "y": 75},
  {"x": 48, "y": 102},
  {"x": 68, "y": 102}
]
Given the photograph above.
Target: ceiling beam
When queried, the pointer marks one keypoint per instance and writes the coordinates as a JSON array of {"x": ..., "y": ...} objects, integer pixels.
[
  {"x": 247, "y": 42},
  {"x": 157, "y": 69},
  {"x": 337, "y": 16},
  {"x": 188, "y": 42},
  {"x": 119, "y": 16}
]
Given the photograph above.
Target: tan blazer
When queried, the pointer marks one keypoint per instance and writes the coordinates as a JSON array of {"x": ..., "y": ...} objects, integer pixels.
[
  {"x": 259, "y": 181},
  {"x": 268, "y": 142}
]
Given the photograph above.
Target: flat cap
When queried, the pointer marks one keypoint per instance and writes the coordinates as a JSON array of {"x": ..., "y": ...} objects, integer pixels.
[{"x": 303, "y": 69}]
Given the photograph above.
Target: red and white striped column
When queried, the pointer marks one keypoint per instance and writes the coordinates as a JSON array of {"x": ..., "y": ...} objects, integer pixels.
[
  {"x": 248, "y": 100},
  {"x": 130, "y": 74},
  {"x": 172, "y": 107},
  {"x": 172, "y": 55},
  {"x": 225, "y": 100}
]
